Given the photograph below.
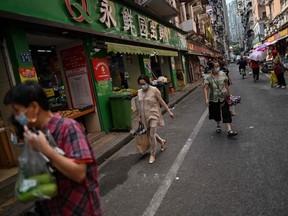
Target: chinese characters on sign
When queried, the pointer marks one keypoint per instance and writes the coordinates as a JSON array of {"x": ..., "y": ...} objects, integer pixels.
[
  {"x": 147, "y": 27},
  {"x": 107, "y": 17},
  {"x": 75, "y": 67},
  {"x": 128, "y": 21},
  {"x": 101, "y": 69}
]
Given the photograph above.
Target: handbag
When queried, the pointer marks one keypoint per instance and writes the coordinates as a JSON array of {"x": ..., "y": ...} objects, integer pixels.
[
  {"x": 142, "y": 139},
  {"x": 230, "y": 100}
]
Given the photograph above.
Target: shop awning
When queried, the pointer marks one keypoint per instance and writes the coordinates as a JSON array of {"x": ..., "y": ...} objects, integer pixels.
[{"x": 123, "y": 48}]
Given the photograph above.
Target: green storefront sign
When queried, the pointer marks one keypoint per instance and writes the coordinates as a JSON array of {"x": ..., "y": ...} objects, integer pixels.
[{"x": 103, "y": 16}]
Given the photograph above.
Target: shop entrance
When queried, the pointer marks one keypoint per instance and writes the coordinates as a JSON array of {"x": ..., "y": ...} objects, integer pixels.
[{"x": 62, "y": 70}]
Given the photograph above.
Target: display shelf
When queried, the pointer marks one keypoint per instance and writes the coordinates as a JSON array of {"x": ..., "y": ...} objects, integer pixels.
[{"x": 85, "y": 112}]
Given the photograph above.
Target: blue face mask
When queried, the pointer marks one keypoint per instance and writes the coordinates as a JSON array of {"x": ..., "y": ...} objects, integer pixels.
[
  {"x": 217, "y": 70},
  {"x": 22, "y": 119},
  {"x": 144, "y": 87}
]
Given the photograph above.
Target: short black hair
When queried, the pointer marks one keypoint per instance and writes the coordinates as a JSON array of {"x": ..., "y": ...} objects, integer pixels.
[
  {"x": 143, "y": 77},
  {"x": 26, "y": 93},
  {"x": 210, "y": 65}
]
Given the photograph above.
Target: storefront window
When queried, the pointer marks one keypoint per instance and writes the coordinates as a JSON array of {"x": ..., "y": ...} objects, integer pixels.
[{"x": 49, "y": 76}]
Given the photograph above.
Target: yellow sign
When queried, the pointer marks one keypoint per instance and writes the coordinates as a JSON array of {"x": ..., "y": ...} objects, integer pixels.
[
  {"x": 49, "y": 92},
  {"x": 283, "y": 33}
]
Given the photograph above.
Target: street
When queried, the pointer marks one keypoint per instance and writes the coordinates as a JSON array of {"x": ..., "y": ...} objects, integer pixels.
[{"x": 204, "y": 173}]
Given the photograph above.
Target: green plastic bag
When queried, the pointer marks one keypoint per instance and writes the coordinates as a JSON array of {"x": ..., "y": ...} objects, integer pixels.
[{"x": 35, "y": 180}]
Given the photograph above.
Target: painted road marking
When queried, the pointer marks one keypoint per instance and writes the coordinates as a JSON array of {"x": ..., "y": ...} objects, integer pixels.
[{"x": 163, "y": 189}]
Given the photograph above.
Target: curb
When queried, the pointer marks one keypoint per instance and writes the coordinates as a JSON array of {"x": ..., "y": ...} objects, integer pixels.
[{"x": 116, "y": 146}]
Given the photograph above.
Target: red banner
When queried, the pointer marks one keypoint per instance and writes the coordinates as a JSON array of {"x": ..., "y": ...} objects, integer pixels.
[
  {"x": 101, "y": 69},
  {"x": 73, "y": 58}
]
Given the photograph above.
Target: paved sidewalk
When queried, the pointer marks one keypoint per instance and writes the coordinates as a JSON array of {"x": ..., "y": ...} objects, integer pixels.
[{"x": 103, "y": 146}]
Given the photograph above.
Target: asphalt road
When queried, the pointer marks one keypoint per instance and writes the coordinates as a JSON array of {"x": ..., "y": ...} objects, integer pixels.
[{"x": 204, "y": 173}]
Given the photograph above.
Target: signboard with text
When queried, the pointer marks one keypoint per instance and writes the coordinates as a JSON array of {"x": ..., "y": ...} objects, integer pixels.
[
  {"x": 104, "y": 16},
  {"x": 75, "y": 68},
  {"x": 101, "y": 69},
  {"x": 27, "y": 74}
]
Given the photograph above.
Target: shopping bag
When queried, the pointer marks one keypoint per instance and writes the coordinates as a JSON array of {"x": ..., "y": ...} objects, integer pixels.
[
  {"x": 35, "y": 180},
  {"x": 142, "y": 139}
]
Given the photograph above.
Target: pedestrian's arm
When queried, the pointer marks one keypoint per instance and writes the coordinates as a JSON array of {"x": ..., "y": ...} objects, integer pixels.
[
  {"x": 227, "y": 88},
  {"x": 162, "y": 102},
  {"x": 69, "y": 168},
  {"x": 206, "y": 89}
]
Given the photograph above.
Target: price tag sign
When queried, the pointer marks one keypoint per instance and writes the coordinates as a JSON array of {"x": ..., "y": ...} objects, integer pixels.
[{"x": 49, "y": 92}]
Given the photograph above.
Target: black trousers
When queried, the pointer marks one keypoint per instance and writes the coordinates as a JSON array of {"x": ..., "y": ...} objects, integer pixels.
[
  {"x": 216, "y": 109},
  {"x": 256, "y": 73},
  {"x": 281, "y": 79}
]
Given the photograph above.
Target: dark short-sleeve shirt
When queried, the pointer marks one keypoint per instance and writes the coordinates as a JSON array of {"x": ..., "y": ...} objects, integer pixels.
[{"x": 73, "y": 198}]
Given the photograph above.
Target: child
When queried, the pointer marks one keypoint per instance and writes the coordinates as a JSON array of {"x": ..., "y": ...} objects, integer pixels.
[{"x": 273, "y": 79}]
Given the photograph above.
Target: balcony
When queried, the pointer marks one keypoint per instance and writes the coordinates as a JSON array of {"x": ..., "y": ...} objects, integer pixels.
[
  {"x": 203, "y": 17},
  {"x": 187, "y": 25},
  {"x": 160, "y": 7},
  {"x": 197, "y": 10},
  {"x": 267, "y": 2}
]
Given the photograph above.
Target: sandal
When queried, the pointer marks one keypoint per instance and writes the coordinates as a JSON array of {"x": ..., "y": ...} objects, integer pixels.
[
  {"x": 163, "y": 145},
  {"x": 218, "y": 130},
  {"x": 231, "y": 133}
]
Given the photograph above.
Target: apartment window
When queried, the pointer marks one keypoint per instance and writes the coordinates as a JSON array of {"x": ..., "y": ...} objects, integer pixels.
[
  {"x": 264, "y": 15},
  {"x": 284, "y": 4}
]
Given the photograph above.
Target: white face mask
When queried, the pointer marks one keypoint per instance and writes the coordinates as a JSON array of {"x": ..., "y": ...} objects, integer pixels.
[{"x": 144, "y": 87}]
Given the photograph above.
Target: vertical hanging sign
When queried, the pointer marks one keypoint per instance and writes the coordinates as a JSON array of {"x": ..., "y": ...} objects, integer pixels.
[{"x": 75, "y": 67}]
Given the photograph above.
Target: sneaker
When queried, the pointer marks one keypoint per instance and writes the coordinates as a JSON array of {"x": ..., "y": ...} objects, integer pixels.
[
  {"x": 283, "y": 87},
  {"x": 152, "y": 159},
  {"x": 278, "y": 86}
]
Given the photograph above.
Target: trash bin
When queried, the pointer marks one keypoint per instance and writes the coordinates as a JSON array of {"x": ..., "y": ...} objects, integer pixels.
[
  {"x": 121, "y": 111},
  {"x": 163, "y": 88}
]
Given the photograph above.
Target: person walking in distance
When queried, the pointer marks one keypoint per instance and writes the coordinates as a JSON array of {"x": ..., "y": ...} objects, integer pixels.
[
  {"x": 75, "y": 169},
  {"x": 226, "y": 71},
  {"x": 215, "y": 90},
  {"x": 278, "y": 70},
  {"x": 150, "y": 113},
  {"x": 255, "y": 69}
]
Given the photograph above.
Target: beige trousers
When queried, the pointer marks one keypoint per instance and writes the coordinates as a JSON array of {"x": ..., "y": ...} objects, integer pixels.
[{"x": 154, "y": 138}]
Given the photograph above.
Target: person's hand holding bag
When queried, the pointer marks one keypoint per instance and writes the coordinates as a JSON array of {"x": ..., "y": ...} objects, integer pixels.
[{"x": 38, "y": 141}]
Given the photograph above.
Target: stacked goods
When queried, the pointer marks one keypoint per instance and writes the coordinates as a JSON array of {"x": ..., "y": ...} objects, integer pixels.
[
  {"x": 69, "y": 113},
  {"x": 133, "y": 92}
]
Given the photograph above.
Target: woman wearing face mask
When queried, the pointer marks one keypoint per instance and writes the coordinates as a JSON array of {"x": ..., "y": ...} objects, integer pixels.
[
  {"x": 150, "y": 113},
  {"x": 76, "y": 170},
  {"x": 216, "y": 83}
]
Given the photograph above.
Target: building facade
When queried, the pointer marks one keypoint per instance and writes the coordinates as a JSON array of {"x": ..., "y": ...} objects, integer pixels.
[
  {"x": 246, "y": 13},
  {"x": 235, "y": 26}
]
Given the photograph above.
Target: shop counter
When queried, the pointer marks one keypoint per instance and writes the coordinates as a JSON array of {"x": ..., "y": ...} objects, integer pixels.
[{"x": 76, "y": 113}]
